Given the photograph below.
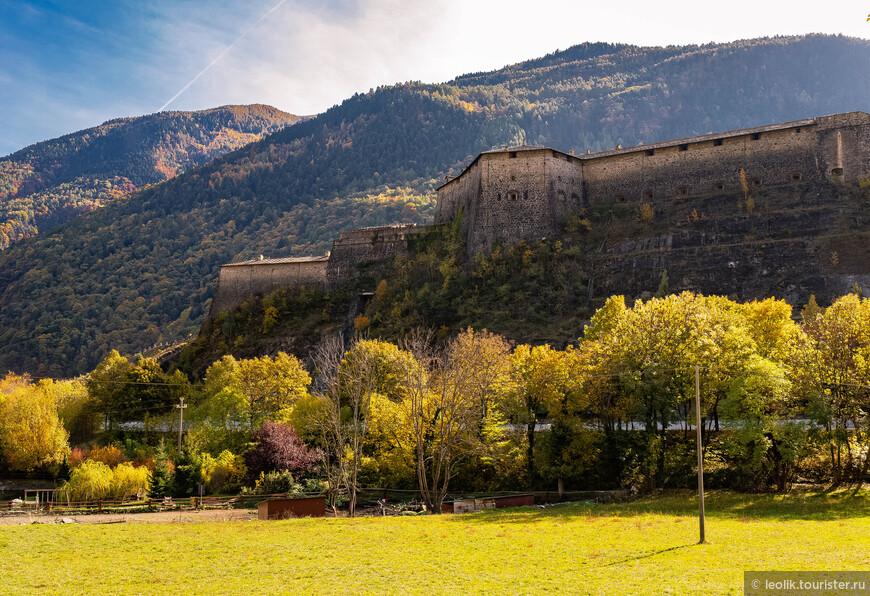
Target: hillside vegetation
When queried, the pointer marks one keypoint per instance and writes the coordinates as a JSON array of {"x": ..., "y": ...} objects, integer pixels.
[
  {"x": 142, "y": 270},
  {"x": 49, "y": 183}
]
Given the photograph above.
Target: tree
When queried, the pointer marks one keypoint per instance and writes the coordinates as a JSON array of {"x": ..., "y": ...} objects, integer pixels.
[
  {"x": 278, "y": 447},
  {"x": 31, "y": 432},
  {"x": 663, "y": 285},
  {"x": 347, "y": 383},
  {"x": 449, "y": 393},
  {"x": 834, "y": 372},
  {"x": 161, "y": 481}
]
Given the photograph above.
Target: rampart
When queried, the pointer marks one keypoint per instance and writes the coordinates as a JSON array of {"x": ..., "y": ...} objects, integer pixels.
[
  {"x": 356, "y": 248},
  {"x": 238, "y": 281},
  {"x": 526, "y": 192}
]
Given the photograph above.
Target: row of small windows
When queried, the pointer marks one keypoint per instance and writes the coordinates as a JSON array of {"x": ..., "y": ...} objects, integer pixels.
[
  {"x": 513, "y": 195},
  {"x": 716, "y": 142},
  {"x": 683, "y": 191}
]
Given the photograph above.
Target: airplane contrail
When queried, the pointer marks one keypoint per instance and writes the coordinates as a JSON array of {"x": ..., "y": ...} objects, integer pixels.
[{"x": 221, "y": 55}]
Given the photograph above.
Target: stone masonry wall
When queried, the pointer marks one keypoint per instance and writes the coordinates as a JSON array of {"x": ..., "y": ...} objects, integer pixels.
[
  {"x": 522, "y": 195},
  {"x": 702, "y": 168},
  {"x": 237, "y": 282},
  {"x": 367, "y": 245}
]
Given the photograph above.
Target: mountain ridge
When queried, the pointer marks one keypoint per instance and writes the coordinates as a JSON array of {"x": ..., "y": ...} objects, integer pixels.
[{"x": 47, "y": 183}]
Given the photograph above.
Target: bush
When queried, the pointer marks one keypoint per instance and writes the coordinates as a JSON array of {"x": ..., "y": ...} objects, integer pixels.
[
  {"x": 109, "y": 455},
  {"x": 95, "y": 481},
  {"x": 279, "y": 448},
  {"x": 275, "y": 483},
  {"x": 129, "y": 480},
  {"x": 225, "y": 473},
  {"x": 91, "y": 481}
]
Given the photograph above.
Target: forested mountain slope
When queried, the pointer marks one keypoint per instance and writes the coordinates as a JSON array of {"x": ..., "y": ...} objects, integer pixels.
[
  {"x": 49, "y": 183},
  {"x": 143, "y": 268}
]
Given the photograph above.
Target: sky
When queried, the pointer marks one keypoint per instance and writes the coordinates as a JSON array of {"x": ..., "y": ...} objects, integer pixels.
[{"x": 66, "y": 65}]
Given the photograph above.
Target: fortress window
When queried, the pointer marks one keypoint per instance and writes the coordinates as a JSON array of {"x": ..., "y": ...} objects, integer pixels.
[
  {"x": 525, "y": 195},
  {"x": 756, "y": 182},
  {"x": 513, "y": 177},
  {"x": 717, "y": 142},
  {"x": 556, "y": 155},
  {"x": 498, "y": 197},
  {"x": 797, "y": 130},
  {"x": 620, "y": 198},
  {"x": 718, "y": 186},
  {"x": 796, "y": 177},
  {"x": 512, "y": 195},
  {"x": 684, "y": 147},
  {"x": 648, "y": 194},
  {"x": 756, "y": 136},
  {"x": 561, "y": 194},
  {"x": 650, "y": 151},
  {"x": 574, "y": 197},
  {"x": 683, "y": 191},
  {"x": 513, "y": 154}
]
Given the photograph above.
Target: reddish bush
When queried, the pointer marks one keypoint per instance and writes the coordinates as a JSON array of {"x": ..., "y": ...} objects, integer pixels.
[
  {"x": 109, "y": 455},
  {"x": 280, "y": 448}
]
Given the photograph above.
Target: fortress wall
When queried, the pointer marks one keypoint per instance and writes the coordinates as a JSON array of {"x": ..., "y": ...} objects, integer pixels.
[
  {"x": 358, "y": 247},
  {"x": 704, "y": 167},
  {"x": 843, "y": 142},
  {"x": 457, "y": 193},
  {"x": 519, "y": 197},
  {"x": 566, "y": 187},
  {"x": 238, "y": 282}
]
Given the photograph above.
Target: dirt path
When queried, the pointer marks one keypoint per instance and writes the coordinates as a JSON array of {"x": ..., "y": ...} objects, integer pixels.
[{"x": 156, "y": 517}]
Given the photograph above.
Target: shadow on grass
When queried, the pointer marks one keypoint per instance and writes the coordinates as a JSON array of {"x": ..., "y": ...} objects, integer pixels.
[
  {"x": 820, "y": 506},
  {"x": 648, "y": 555}
]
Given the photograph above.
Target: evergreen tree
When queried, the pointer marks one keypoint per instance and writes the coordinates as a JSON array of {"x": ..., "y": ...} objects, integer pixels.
[
  {"x": 663, "y": 290},
  {"x": 161, "y": 483}
]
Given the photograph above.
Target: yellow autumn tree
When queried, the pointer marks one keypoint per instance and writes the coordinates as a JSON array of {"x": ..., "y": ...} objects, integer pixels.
[{"x": 31, "y": 432}]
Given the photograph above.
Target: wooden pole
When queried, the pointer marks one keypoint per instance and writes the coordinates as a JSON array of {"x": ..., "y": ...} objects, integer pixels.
[
  {"x": 700, "y": 453},
  {"x": 180, "y": 407}
]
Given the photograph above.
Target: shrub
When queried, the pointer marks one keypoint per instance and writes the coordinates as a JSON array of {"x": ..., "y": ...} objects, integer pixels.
[
  {"x": 77, "y": 456},
  {"x": 129, "y": 480},
  {"x": 275, "y": 483},
  {"x": 109, "y": 455},
  {"x": 91, "y": 481},
  {"x": 224, "y": 473},
  {"x": 279, "y": 448}
]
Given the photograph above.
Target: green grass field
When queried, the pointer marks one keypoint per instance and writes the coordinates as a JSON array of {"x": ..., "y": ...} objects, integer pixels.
[{"x": 646, "y": 546}]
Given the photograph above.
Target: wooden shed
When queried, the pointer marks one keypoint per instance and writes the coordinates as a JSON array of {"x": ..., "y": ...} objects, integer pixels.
[{"x": 287, "y": 508}]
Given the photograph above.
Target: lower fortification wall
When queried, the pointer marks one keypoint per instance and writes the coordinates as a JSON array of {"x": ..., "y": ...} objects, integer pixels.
[
  {"x": 239, "y": 281},
  {"x": 357, "y": 248}
]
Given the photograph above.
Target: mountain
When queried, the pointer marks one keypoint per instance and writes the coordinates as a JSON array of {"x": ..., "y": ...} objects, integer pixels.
[
  {"x": 142, "y": 269},
  {"x": 49, "y": 183}
]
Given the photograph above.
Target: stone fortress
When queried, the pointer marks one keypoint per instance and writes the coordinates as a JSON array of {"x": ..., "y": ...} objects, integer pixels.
[{"x": 526, "y": 193}]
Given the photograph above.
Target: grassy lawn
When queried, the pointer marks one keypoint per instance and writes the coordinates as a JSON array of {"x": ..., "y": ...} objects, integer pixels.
[{"x": 646, "y": 546}]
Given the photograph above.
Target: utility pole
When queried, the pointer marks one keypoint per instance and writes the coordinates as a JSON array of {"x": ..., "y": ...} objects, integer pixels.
[
  {"x": 700, "y": 452},
  {"x": 180, "y": 407}
]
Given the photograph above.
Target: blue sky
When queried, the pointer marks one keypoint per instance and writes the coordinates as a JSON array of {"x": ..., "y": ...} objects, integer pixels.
[{"x": 69, "y": 65}]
